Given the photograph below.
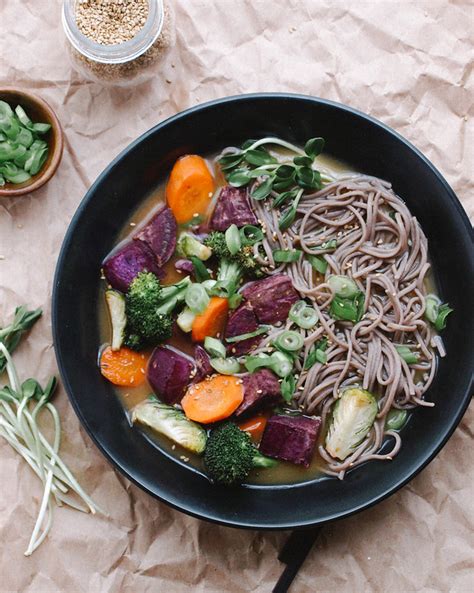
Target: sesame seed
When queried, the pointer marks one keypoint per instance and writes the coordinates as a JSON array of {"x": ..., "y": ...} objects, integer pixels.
[{"x": 133, "y": 224}]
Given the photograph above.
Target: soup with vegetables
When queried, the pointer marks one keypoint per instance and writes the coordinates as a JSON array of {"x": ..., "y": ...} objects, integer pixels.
[{"x": 270, "y": 316}]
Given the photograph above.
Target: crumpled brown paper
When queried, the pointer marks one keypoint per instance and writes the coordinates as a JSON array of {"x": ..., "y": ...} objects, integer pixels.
[{"x": 407, "y": 63}]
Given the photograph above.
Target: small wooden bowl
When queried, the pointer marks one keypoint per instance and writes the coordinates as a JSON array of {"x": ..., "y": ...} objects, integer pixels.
[{"x": 38, "y": 111}]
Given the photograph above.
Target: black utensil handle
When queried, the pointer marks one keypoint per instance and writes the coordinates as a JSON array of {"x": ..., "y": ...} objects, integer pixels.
[{"x": 293, "y": 554}]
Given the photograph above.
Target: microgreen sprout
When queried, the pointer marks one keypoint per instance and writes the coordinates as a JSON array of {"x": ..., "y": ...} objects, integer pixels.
[{"x": 21, "y": 405}]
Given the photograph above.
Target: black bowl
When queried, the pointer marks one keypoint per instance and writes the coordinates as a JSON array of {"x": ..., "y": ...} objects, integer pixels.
[{"x": 368, "y": 146}]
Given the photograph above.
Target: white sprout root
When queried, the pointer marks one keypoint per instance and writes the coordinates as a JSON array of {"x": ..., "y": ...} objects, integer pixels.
[{"x": 19, "y": 416}]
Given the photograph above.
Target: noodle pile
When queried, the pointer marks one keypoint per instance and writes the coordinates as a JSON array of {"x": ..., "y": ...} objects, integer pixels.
[{"x": 381, "y": 246}]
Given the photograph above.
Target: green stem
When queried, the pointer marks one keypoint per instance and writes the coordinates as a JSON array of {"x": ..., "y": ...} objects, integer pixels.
[{"x": 279, "y": 142}]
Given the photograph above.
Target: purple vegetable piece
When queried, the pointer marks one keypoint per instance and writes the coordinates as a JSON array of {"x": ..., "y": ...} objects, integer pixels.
[
  {"x": 184, "y": 265},
  {"x": 232, "y": 207},
  {"x": 122, "y": 266},
  {"x": 159, "y": 234},
  {"x": 261, "y": 389},
  {"x": 169, "y": 373},
  {"x": 203, "y": 365},
  {"x": 291, "y": 438},
  {"x": 271, "y": 298},
  {"x": 242, "y": 321}
]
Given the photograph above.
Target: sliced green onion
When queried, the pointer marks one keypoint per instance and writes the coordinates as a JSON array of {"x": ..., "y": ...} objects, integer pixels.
[
  {"x": 225, "y": 366},
  {"x": 196, "y": 298},
  {"x": 21, "y": 115},
  {"x": 252, "y": 363},
  {"x": 432, "y": 307},
  {"x": 13, "y": 174},
  {"x": 396, "y": 419},
  {"x": 348, "y": 309},
  {"x": 343, "y": 286},
  {"x": 408, "y": 356},
  {"x": 215, "y": 347},
  {"x": 289, "y": 341},
  {"x": 281, "y": 364},
  {"x": 40, "y": 128},
  {"x": 25, "y": 137},
  {"x": 2, "y": 181},
  {"x": 303, "y": 315},
  {"x": 10, "y": 152},
  {"x": 250, "y": 234},
  {"x": 34, "y": 163},
  {"x": 6, "y": 112},
  {"x": 263, "y": 329},
  {"x": 318, "y": 262},
  {"x": 287, "y": 255},
  {"x": 232, "y": 239},
  {"x": 317, "y": 354},
  {"x": 288, "y": 386},
  {"x": 444, "y": 311},
  {"x": 436, "y": 312},
  {"x": 200, "y": 271},
  {"x": 328, "y": 245}
]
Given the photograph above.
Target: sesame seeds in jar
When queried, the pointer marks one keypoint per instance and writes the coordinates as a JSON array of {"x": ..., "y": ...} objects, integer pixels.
[{"x": 118, "y": 42}]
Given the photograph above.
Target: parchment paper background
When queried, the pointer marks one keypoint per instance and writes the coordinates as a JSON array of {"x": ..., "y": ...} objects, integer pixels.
[{"x": 407, "y": 63}]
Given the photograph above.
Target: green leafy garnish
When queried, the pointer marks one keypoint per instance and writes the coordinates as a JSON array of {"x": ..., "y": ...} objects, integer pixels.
[{"x": 288, "y": 386}]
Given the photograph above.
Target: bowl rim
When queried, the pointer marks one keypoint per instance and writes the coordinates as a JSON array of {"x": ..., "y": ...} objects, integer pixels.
[
  {"x": 438, "y": 443},
  {"x": 47, "y": 173}
]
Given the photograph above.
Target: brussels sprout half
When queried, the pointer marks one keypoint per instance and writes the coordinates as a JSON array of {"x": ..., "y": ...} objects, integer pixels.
[{"x": 353, "y": 416}]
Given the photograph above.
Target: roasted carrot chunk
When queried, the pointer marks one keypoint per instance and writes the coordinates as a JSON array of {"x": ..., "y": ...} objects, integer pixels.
[
  {"x": 213, "y": 399},
  {"x": 190, "y": 188},
  {"x": 123, "y": 367},
  {"x": 212, "y": 321}
]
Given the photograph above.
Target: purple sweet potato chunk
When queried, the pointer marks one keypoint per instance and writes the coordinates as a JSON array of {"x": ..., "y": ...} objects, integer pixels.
[
  {"x": 232, "y": 207},
  {"x": 122, "y": 266},
  {"x": 291, "y": 438},
  {"x": 261, "y": 389},
  {"x": 160, "y": 235},
  {"x": 242, "y": 321},
  {"x": 203, "y": 365},
  {"x": 184, "y": 265},
  {"x": 169, "y": 373},
  {"x": 271, "y": 298}
]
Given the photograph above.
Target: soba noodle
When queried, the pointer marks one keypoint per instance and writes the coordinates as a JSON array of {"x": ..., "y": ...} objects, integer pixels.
[{"x": 382, "y": 247}]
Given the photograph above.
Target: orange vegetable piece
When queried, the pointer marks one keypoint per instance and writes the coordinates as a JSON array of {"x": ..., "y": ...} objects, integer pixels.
[
  {"x": 212, "y": 321},
  {"x": 213, "y": 399},
  {"x": 190, "y": 188},
  {"x": 254, "y": 427},
  {"x": 123, "y": 367}
]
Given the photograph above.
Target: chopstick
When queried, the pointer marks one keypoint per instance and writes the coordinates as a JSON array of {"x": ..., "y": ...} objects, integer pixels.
[{"x": 293, "y": 554}]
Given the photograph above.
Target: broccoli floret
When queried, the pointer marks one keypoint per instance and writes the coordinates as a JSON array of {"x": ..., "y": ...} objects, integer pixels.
[
  {"x": 149, "y": 307},
  {"x": 135, "y": 342},
  {"x": 244, "y": 257},
  {"x": 217, "y": 243},
  {"x": 230, "y": 455}
]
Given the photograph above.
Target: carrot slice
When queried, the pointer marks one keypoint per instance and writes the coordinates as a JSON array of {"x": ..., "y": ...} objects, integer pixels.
[
  {"x": 212, "y": 321},
  {"x": 254, "y": 427},
  {"x": 213, "y": 399},
  {"x": 190, "y": 188},
  {"x": 123, "y": 367}
]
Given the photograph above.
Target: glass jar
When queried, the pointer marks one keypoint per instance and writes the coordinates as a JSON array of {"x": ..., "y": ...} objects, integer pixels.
[{"x": 122, "y": 64}]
